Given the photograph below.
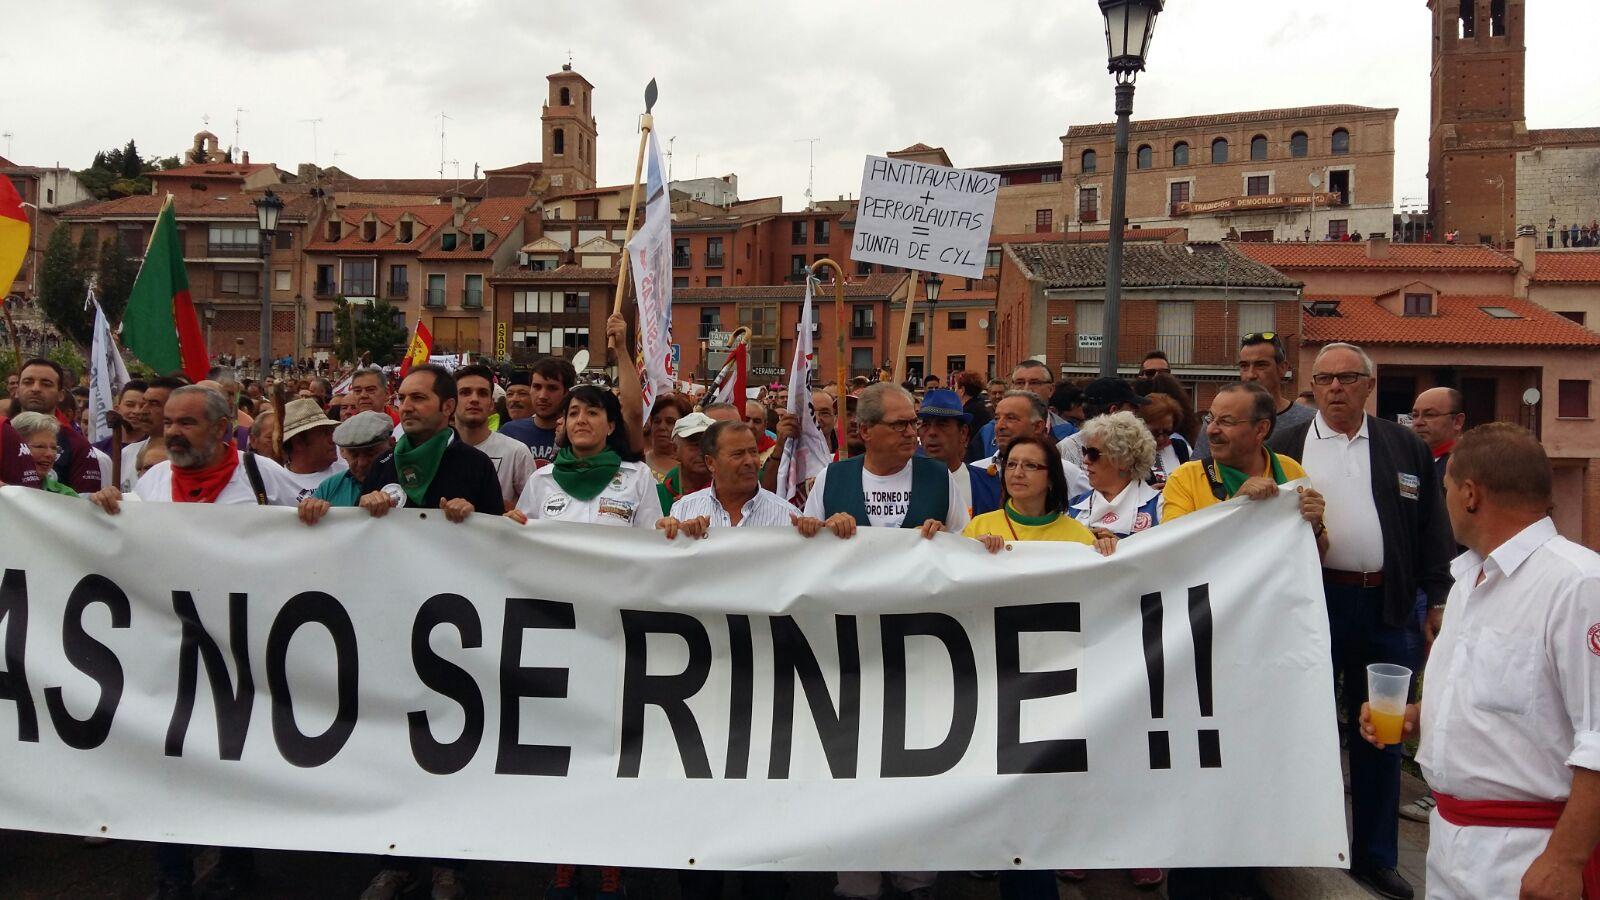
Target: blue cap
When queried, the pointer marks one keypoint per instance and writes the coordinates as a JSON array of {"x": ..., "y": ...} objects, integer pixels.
[{"x": 943, "y": 404}]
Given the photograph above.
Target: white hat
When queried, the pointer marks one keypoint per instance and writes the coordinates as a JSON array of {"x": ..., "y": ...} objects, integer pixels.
[{"x": 692, "y": 425}]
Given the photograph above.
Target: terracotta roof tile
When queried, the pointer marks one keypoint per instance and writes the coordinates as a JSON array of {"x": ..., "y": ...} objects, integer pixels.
[
  {"x": 1146, "y": 265},
  {"x": 566, "y": 274},
  {"x": 1457, "y": 321},
  {"x": 498, "y": 217},
  {"x": 190, "y": 205},
  {"x": 1086, "y": 237},
  {"x": 1568, "y": 266},
  {"x": 1547, "y": 136},
  {"x": 879, "y": 285},
  {"x": 427, "y": 218},
  {"x": 1353, "y": 255}
]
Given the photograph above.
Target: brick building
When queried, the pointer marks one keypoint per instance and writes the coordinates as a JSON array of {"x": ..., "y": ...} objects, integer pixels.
[
  {"x": 214, "y": 208},
  {"x": 1192, "y": 301},
  {"x": 1243, "y": 174},
  {"x": 1566, "y": 282},
  {"x": 1487, "y": 171},
  {"x": 45, "y": 190}
]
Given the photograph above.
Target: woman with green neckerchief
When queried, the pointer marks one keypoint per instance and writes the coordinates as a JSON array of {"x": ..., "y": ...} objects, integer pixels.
[{"x": 597, "y": 478}]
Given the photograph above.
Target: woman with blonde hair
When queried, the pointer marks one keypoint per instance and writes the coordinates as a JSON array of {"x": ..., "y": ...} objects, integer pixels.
[{"x": 1118, "y": 453}]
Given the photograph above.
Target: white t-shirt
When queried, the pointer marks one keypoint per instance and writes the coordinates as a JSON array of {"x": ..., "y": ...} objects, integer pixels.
[
  {"x": 104, "y": 462},
  {"x": 513, "y": 464},
  {"x": 887, "y": 497},
  {"x": 130, "y": 465},
  {"x": 308, "y": 483},
  {"x": 156, "y": 485},
  {"x": 630, "y": 499}
]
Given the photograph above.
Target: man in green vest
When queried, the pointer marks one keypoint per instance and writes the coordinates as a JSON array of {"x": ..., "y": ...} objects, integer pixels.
[{"x": 887, "y": 486}]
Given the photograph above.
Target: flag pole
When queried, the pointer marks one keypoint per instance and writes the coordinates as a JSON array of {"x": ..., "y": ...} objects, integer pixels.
[
  {"x": 11, "y": 328},
  {"x": 646, "y": 122},
  {"x": 905, "y": 332},
  {"x": 842, "y": 410}
]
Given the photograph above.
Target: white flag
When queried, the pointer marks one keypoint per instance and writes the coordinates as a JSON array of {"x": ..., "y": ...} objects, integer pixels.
[
  {"x": 107, "y": 374},
  {"x": 805, "y": 457},
  {"x": 650, "y": 255}
]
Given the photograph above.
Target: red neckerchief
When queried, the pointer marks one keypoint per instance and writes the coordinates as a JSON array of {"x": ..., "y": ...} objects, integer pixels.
[
  {"x": 66, "y": 420},
  {"x": 204, "y": 485},
  {"x": 1444, "y": 449}
]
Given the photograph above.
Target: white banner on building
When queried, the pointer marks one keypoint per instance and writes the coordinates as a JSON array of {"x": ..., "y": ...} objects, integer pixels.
[
  {"x": 415, "y": 687},
  {"x": 650, "y": 256},
  {"x": 924, "y": 217}
]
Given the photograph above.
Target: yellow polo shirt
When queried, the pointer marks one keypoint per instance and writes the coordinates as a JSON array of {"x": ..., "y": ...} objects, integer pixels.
[
  {"x": 1064, "y": 528},
  {"x": 1188, "y": 488}
]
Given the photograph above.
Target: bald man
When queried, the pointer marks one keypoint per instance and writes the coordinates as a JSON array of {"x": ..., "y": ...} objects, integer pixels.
[{"x": 1438, "y": 419}]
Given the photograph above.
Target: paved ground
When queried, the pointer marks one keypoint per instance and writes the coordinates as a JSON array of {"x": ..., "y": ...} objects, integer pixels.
[{"x": 55, "y": 867}]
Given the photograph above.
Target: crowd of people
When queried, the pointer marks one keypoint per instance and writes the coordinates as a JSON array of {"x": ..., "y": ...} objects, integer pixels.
[{"x": 1025, "y": 458}]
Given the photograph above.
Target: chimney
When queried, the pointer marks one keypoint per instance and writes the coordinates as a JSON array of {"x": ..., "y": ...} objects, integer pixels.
[
  {"x": 458, "y": 209},
  {"x": 1378, "y": 245},
  {"x": 1526, "y": 250},
  {"x": 245, "y": 157}
]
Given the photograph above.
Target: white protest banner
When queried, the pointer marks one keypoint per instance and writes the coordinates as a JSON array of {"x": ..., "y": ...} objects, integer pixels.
[
  {"x": 107, "y": 374},
  {"x": 650, "y": 258},
  {"x": 756, "y": 700},
  {"x": 924, "y": 217}
]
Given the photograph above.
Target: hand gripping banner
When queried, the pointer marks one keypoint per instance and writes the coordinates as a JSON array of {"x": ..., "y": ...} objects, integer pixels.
[{"x": 756, "y": 700}]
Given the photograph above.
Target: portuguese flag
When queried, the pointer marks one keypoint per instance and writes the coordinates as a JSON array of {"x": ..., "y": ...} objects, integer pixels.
[
  {"x": 13, "y": 234},
  {"x": 160, "y": 325}
]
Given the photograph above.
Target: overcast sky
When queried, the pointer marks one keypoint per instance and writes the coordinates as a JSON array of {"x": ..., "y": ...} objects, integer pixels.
[{"x": 742, "y": 82}]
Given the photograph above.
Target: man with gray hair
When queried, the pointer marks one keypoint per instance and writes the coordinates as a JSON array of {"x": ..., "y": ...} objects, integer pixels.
[
  {"x": 888, "y": 486},
  {"x": 203, "y": 464},
  {"x": 1389, "y": 537},
  {"x": 1020, "y": 412}
]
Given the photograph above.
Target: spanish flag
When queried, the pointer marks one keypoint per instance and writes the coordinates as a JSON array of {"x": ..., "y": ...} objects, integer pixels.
[
  {"x": 417, "y": 353},
  {"x": 160, "y": 325},
  {"x": 14, "y": 230}
]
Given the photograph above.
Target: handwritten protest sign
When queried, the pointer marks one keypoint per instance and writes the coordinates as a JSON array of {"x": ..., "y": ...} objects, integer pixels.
[{"x": 928, "y": 218}]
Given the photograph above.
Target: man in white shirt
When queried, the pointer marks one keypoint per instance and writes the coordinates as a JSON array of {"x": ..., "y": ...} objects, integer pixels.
[
  {"x": 735, "y": 497},
  {"x": 1510, "y": 721},
  {"x": 513, "y": 461},
  {"x": 149, "y": 422},
  {"x": 888, "y": 486},
  {"x": 310, "y": 454}
]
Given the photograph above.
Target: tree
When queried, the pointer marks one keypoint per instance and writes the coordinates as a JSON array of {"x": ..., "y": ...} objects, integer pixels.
[
  {"x": 88, "y": 257},
  {"x": 341, "y": 330},
  {"x": 131, "y": 166},
  {"x": 61, "y": 289},
  {"x": 114, "y": 276},
  {"x": 381, "y": 333}
]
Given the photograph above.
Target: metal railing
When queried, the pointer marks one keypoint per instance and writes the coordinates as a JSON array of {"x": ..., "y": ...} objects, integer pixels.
[
  {"x": 714, "y": 261},
  {"x": 861, "y": 332},
  {"x": 397, "y": 289},
  {"x": 322, "y": 336},
  {"x": 435, "y": 297},
  {"x": 680, "y": 260},
  {"x": 252, "y": 250},
  {"x": 326, "y": 289},
  {"x": 471, "y": 299}
]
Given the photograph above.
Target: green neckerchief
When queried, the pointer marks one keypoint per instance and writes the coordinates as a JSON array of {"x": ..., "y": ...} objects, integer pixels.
[
  {"x": 1233, "y": 479},
  {"x": 586, "y": 478},
  {"x": 416, "y": 466},
  {"x": 1031, "y": 521},
  {"x": 54, "y": 485}
]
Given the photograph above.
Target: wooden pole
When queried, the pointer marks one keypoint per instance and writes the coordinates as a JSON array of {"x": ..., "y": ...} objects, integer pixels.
[
  {"x": 841, "y": 367},
  {"x": 905, "y": 331},
  {"x": 646, "y": 122}
]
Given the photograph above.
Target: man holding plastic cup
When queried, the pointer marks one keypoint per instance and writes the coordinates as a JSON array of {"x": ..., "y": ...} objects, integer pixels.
[{"x": 1510, "y": 717}]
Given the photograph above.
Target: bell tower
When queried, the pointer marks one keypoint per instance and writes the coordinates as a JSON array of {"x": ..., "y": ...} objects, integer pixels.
[
  {"x": 1477, "y": 123},
  {"x": 568, "y": 132}
]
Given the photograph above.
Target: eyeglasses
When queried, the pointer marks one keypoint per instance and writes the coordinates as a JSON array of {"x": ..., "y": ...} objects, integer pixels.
[
  {"x": 1159, "y": 433},
  {"x": 1151, "y": 373},
  {"x": 1326, "y": 378},
  {"x": 1021, "y": 465},
  {"x": 1226, "y": 421},
  {"x": 899, "y": 424},
  {"x": 1092, "y": 454}
]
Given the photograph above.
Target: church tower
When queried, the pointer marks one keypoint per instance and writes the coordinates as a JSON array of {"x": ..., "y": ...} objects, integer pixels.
[
  {"x": 1477, "y": 123},
  {"x": 569, "y": 132}
]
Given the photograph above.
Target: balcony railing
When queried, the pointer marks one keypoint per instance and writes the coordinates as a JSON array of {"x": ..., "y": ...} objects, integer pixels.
[
  {"x": 862, "y": 332},
  {"x": 680, "y": 260},
  {"x": 435, "y": 298},
  {"x": 251, "y": 250},
  {"x": 322, "y": 336},
  {"x": 326, "y": 289},
  {"x": 1219, "y": 351},
  {"x": 471, "y": 299},
  {"x": 714, "y": 261},
  {"x": 397, "y": 289}
]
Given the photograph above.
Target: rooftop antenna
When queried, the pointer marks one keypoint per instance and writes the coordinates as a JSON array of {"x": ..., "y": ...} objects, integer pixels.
[
  {"x": 442, "y": 160},
  {"x": 811, "y": 180},
  {"x": 457, "y": 164},
  {"x": 237, "y": 112},
  {"x": 314, "y": 123},
  {"x": 336, "y": 155}
]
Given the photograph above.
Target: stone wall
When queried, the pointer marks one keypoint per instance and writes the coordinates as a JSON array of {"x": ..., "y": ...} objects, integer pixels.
[{"x": 1563, "y": 182}]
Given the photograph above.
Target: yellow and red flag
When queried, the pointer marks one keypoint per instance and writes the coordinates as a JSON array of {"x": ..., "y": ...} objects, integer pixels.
[
  {"x": 417, "y": 352},
  {"x": 14, "y": 230}
]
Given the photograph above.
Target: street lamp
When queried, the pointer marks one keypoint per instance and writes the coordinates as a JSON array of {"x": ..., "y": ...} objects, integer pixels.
[
  {"x": 267, "y": 209},
  {"x": 1129, "y": 26},
  {"x": 930, "y": 290}
]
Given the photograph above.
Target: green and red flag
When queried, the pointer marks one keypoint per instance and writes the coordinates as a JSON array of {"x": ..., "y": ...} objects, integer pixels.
[
  {"x": 160, "y": 325},
  {"x": 13, "y": 234}
]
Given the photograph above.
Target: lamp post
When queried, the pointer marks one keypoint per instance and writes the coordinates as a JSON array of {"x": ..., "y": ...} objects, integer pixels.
[
  {"x": 930, "y": 292},
  {"x": 211, "y": 319},
  {"x": 1129, "y": 26},
  {"x": 267, "y": 209}
]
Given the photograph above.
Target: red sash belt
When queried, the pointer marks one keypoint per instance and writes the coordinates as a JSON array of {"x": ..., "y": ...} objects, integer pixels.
[{"x": 1515, "y": 814}]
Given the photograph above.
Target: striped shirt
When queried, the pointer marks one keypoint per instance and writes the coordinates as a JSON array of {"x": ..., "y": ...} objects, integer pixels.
[{"x": 765, "y": 509}]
